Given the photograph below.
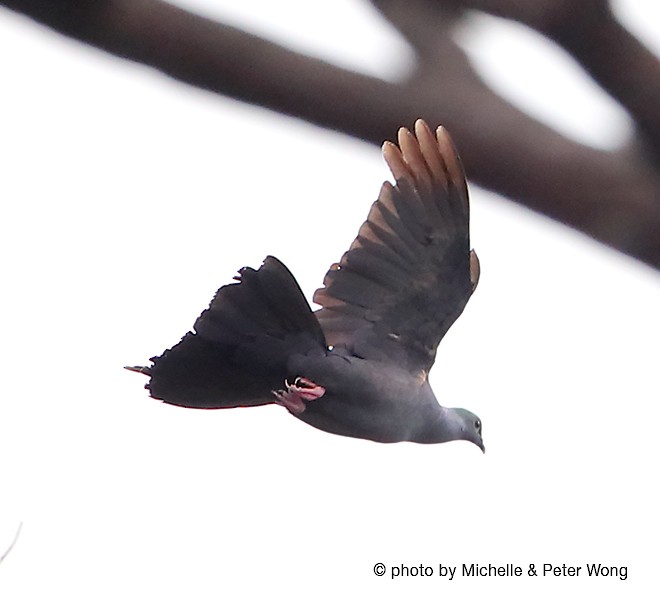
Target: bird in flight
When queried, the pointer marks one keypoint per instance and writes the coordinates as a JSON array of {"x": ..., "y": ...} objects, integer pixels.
[{"x": 359, "y": 365}]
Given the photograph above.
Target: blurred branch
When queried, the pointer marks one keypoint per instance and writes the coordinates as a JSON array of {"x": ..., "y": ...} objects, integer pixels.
[
  {"x": 588, "y": 30},
  {"x": 612, "y": 196},
  {"x": 13, "y": 543}
]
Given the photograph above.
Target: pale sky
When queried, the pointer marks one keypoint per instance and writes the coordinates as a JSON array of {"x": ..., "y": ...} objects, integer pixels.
[{"x": 128, "y": 199}]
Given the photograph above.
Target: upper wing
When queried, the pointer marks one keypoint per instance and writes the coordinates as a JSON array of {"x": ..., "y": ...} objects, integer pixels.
[{"x": 409, "y": 273}]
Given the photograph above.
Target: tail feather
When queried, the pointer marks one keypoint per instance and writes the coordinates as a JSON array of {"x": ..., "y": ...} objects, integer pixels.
[
  {"x": 137, "y": 369},
  {"x": 241, "y": 344}
]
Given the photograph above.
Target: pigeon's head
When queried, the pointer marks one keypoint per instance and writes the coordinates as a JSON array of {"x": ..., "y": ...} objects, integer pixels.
[{"x": 468, "y": 427}]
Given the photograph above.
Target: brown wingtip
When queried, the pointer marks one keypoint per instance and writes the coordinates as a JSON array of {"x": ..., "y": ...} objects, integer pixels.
[
  {"x": 445, "y": 140},
  {"x": 143, "y": 370},
  {"x": 475, "y": 269},
  {"x": 422, "y": 128},
  {"x": 402, "y": 134},
  {"x": 451, "y": 158},
  {"x": 414, "y": 156},
  {"x": 395, "y": 162},
  {"x": 423, "y": 156},
  {"x": 424, "y": 133}
]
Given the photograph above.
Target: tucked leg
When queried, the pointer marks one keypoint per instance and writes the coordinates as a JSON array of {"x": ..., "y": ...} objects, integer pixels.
[{"x": 294, "y": 396}]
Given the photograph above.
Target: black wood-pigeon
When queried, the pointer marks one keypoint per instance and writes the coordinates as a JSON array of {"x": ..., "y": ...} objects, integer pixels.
[{"x": 359, "y": 366}]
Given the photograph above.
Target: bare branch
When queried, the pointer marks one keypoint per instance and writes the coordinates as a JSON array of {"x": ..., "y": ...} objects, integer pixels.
[
  {"x": 613, "y": 197},
  {"x": 616, "y": 59},
  {"x": 13, "y": 543},
  {"x": 625, "y": 68}
]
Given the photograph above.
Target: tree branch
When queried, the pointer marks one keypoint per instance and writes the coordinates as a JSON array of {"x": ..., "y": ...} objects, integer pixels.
[
  {"x": 624, "y": 67},
  {"x": 13, "y": 543},
  {"x": 588, "y": 30},
  {"x": 613, "y": 197}
]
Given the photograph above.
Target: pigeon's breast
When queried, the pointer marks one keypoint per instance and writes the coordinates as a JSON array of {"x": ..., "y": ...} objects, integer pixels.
[{"x": 365, "y": 399}]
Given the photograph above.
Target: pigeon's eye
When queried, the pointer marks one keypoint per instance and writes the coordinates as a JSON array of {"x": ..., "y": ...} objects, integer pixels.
[{"x": 477, "y": 425}]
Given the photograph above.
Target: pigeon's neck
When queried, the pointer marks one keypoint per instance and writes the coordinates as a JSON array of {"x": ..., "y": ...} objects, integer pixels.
[{"x": 439, "y": 425}]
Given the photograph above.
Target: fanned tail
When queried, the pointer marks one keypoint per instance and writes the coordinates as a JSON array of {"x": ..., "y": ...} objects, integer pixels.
[{"x": 241, "y": 345}]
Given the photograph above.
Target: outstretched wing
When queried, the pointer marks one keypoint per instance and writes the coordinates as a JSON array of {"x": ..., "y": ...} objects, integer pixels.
[{"x": 409, "y": 273}]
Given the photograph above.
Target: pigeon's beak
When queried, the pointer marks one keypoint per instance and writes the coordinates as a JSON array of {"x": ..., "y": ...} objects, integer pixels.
[{"x": 481, "y": 445}]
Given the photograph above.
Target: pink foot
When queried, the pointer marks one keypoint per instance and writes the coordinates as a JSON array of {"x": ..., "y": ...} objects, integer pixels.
[{"x": 294, "y": 396}]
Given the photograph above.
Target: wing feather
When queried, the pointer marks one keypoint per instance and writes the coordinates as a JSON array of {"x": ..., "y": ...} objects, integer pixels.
[{"x": 409, "y": 273}]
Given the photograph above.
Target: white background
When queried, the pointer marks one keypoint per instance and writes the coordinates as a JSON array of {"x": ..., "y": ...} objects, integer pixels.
[{"x": 127, "y": 199}]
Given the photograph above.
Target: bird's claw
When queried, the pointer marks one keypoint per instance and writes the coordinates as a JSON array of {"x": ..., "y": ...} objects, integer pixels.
[{"x": 294, "y": 395}]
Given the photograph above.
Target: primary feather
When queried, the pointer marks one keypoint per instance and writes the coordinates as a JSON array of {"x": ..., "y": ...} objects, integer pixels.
[{"x": 407, "y": 276}]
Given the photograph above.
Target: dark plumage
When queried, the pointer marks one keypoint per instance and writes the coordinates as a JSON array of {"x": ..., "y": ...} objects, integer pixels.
[{"x": 359, "y": 365}]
